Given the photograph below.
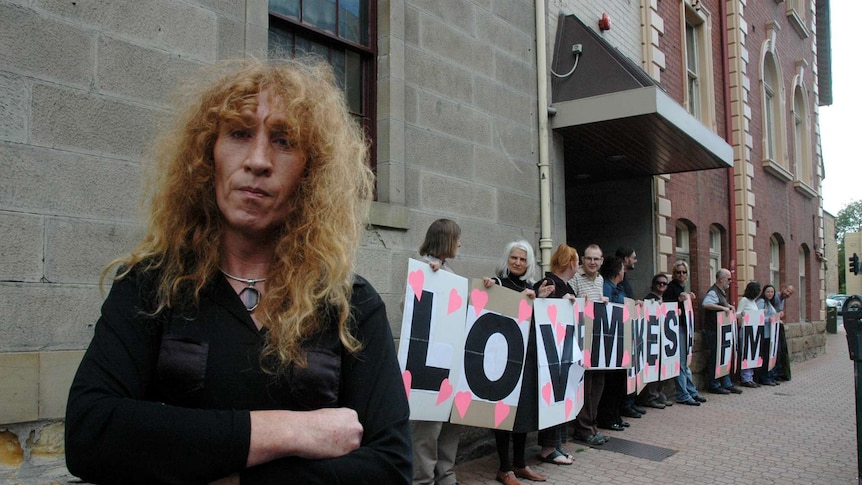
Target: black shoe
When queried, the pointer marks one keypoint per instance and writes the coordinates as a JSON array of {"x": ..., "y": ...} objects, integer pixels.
[
  {"x": 699, "y": 399},
  {"x": 624, "y": 424},
  {"x": 690, "y": 402},
  {"x": 629, "y": 413},
  {"x": 750, "y": 384},
  {"x": 639, "y": 409},
  {"x": 734, "y": 390},
  {"x": 719, "y": 390}
]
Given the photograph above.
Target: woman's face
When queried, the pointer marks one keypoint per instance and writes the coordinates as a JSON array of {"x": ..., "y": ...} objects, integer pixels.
[
  {"x": 769, "y": 293},
  {"x": 257, "y": 170},
  {"x": 517, "y": 262}
]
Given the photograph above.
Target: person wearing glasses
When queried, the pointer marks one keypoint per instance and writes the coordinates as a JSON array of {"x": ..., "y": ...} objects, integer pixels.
[
  {"x": 686, "y": 391},
  {"x": 715, "y": 302},
  {"x": 652, "y": 396},
  {"x": 589, "y": 284}
]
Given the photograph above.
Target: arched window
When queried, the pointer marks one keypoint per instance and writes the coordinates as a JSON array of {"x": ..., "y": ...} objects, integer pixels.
[
  {"x": 683, "y": 242},
  {"x": 772, "y": 115},
  {"x": 775, "y": 261},
  {"x": 803, "y": 284},
  {"x": 715, "y": 238},
  {"x": 801, "y": 138}
]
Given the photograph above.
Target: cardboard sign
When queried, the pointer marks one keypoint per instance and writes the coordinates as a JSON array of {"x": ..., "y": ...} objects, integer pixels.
[
  {"x": 773, "y": 341},
  {"x": 561, "y": 375},
  {"x": 608, "y": 341},
  {"x": 432, "y": 340},
  {"x": 688, "y": 311},
  {"x": 653, "y": 313},
  {"x": 671, "y": 343},
  {"x": 724, "y": 347},
  {"x": 497, "y": 331},
  {"x": 635, "y": 379},
  {"x": 751, "y": 339}
]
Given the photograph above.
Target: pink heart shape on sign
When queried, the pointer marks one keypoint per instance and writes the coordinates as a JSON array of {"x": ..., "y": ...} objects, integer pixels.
[
  {"x": 546, "y": 393},
  {"x": 745, "y": 364},
  {"x": 569, "y": 407},
  {"x": 676, "y": 367},
  {"x": 454, "y": 301},
  {"x": 561, "y": 333},
  {"x": 587, "y": 358},
  {"x": 445, "y": 391},
  {"x": 417, "y": 282},
  {"x": 525, "y": 310},
  {"x": 552, "y": 313},
  {"x": 590, "y": 310},
  {"x": 501, "y": 412},
  {"x": 632, "y": 385},
  {"x": 462, "y": 402},
  {"x": 576, "y": 308},
  {"x": 407, "y": 377},
  {"x": 720, "y": 318},
  {"x": 717, "y": 369},
  {"x": 479, "y": 299},
  {"x": 746, "y": 318},
  {"x": 662, "y": 311},
  {"x": 626, "y": 313},
  {"x": 627, "y": 358},
  {"x": 663, "y": 372},
  {"x": 760, "y": 362},
  {"x": 762, "y": 319}
]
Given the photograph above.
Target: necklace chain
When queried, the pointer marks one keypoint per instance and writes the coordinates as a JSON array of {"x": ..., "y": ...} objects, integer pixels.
[
  {"x": 249, "y": 295},
  {"x": 249, "y": 281}
]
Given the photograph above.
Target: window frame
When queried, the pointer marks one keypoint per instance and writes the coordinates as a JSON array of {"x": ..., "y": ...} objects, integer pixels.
[
  {"x": 699, "y": 92},
  {"x": 368, "y": 58},
  {"x": 773, "y": 121}
]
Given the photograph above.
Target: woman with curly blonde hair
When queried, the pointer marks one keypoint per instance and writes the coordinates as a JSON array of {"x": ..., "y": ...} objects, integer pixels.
[{"x": 236, "y": 334}]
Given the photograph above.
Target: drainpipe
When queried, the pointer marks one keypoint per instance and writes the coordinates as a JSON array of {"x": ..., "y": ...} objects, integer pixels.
[
  {"x": 728, "y": 130},
  {"x": 545, "y": 240}
]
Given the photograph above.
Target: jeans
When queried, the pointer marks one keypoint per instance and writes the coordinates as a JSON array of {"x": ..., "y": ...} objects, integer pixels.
[
  {"x": 724, "y": 382},
  {"x": 685, "y": 388}
]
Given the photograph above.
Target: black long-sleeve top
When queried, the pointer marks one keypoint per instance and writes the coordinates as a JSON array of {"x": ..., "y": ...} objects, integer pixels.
[{"x": 167, "y": 399}]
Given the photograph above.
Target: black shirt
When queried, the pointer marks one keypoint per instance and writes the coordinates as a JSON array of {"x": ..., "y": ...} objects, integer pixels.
[{"x": 167, "y": 399}]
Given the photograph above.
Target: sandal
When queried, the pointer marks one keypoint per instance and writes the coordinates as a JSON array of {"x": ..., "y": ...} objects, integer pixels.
[
  {"x": 566, "y": 454},
  {"x": 554, "y": 456}
]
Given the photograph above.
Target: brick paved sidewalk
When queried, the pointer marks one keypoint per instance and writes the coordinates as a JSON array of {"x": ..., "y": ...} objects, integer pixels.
[{"x": 801, "y": 432}]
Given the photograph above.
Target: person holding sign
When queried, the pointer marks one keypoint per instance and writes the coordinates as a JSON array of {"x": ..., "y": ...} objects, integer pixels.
[
  {"x": 614, "y": 394},
  {"x": 747, "y": 304},
  {"x": 515, "y": 271},
  {"x": 686, "y": 391},
  {"x": 782, "y": 367},
  {"x": 589, "y": 284},
  {"x": 564, "y": 264},
  {"x": 652, "y": 396},
  {"x": 765, "y": 376},
  {"x": 715, "y": 302},
  {"x": 435, "y": 443},
  {"x": 237, "y": 344}
]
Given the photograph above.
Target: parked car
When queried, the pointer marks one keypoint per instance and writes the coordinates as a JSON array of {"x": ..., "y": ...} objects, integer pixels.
[{"x": 836, "y": 300}]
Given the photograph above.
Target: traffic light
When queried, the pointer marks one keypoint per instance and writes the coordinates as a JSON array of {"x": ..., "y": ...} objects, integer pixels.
[{"x": 854, "y": 264}]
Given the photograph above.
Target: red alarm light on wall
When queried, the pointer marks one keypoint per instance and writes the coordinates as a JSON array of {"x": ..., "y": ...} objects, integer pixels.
[{"x": 605, "y": 22}]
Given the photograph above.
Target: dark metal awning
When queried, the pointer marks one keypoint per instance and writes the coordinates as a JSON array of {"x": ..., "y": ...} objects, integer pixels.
[{"x": 616, "y": 121}]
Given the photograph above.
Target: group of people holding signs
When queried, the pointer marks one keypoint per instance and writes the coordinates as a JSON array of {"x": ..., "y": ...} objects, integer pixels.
[{"x": 517, "y": 355}]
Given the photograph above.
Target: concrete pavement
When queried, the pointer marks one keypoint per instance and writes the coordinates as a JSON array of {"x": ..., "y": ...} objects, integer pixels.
[{"x": 801, "y": 432}]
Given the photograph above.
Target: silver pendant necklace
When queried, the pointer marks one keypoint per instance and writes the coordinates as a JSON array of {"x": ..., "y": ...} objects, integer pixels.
[{"x": 250, "y": 296}]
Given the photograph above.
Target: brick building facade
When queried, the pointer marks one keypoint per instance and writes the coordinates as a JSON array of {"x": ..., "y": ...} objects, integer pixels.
[{"x": 451, "y": 95}]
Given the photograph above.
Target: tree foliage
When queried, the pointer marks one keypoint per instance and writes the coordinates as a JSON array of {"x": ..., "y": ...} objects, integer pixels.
[{"x": 849, "y": 219}]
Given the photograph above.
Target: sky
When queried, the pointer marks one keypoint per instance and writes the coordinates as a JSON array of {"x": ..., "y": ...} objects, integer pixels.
[{"x": 838, "y": 123}]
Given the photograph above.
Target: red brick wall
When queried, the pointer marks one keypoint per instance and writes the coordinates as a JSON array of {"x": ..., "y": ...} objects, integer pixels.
[{"x": 780, "y": 208}]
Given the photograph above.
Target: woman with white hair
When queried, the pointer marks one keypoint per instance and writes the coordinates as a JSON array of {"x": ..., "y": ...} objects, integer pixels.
[{"x": 516, "y": 271}]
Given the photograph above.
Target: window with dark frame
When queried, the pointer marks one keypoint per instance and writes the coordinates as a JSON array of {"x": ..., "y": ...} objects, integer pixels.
[{"x": 344, "y": 34}]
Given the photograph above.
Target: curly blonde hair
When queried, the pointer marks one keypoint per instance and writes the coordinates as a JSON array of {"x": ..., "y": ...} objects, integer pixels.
[{"x": 315, "y": 255}]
